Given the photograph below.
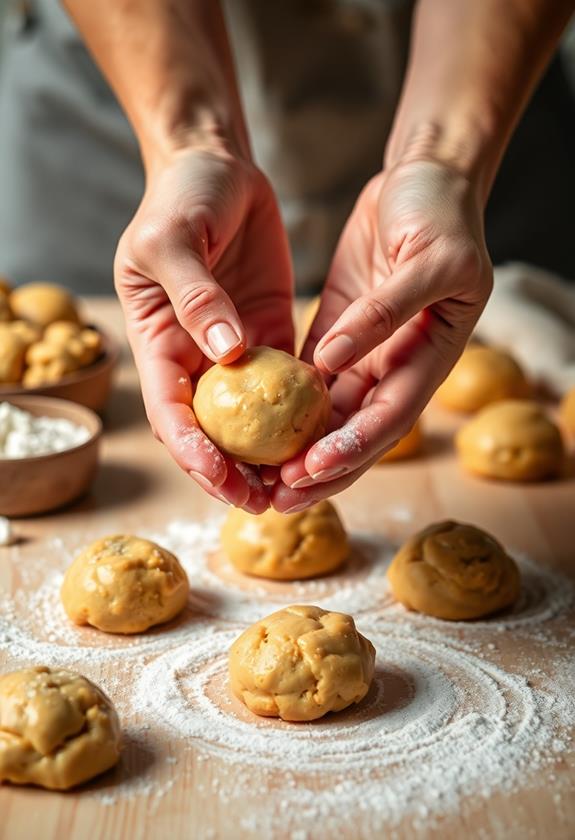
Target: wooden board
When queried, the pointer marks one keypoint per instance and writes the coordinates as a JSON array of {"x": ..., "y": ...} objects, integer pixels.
[{"x": 180, "y": 788}]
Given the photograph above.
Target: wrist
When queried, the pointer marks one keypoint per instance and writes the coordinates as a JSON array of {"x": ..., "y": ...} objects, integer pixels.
[
  {"x": 191, "y": 122},
  {"x": 463, "y": 147}
]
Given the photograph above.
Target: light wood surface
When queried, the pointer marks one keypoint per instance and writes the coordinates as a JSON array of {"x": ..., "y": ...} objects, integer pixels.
[{"x": 139, "y": 487}]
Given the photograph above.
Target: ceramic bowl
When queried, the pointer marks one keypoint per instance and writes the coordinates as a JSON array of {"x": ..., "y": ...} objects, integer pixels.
[
  {"x": 30, "y": 486},
  {"x": 89, "y": 386}
]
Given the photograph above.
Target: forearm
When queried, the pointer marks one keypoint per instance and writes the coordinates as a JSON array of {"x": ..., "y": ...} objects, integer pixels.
[
  {"x": 169, "y": 63},
  {"x": 472, "y": 68}
]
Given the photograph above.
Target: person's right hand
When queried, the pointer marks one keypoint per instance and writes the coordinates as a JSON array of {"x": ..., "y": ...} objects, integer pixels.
[{"x": 202, "y": 271}]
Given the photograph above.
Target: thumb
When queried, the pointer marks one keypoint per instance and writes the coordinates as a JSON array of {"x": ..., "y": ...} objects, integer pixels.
[{"x": 202, "y": 307}]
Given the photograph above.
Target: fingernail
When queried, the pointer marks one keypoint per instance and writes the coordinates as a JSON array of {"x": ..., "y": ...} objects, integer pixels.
[
  {"x": 298, "y": 508},
  {"x": 305, "y": 481},
  {"x": 325, "y": 475},
  {"x": 201, "y": 479},
  {"x": 222, "y": 339},
  {"x": 337, "y": 352},
  {"x": 207, "y": 485}
]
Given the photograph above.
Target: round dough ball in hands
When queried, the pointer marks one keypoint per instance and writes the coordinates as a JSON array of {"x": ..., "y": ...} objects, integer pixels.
[
  {"x": 263, "y": 408},
  {"x": 406, "y": 447},
  {"x": 512, "y": 440},
  {"x": 57, "y": 729},
  {"x": 43, "y": 303},
  {"x": 483, "y": 375},
  {"x": 283, "y": 546},
  {"x": 454, "y": 571},
  {"x": 301, "y": 663},
  {"x": 124, "y": 584},
  {"x": 567, "y": 413}
]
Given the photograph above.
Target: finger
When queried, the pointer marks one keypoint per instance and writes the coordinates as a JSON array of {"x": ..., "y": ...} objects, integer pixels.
[
  {"x": 374, "y": 317},
  {"x": 286, "y": 500},
  {"x": 346, "y": 276},
  {"x": 347, "y": 394},
  {"x": 413, "y": 364},
  {"x": 259, "y": 499},
  {"x": 269, "y": 474},
  {"x": 202, "y": 307},
  {"x": 234, "y": 490}
]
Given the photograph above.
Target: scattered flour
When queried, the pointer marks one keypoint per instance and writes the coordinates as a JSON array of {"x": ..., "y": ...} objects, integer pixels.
[
  {"x": 444, "y": 721},
  {"x": 23, "y": 435}
]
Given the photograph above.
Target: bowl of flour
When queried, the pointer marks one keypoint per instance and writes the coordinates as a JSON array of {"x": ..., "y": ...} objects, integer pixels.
[{"x": 48, "y": 453}]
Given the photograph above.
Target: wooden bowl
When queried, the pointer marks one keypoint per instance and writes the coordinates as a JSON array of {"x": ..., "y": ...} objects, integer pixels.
[
  {"x": 30, "y": 486},
  {"x": 89, "y": 386}
]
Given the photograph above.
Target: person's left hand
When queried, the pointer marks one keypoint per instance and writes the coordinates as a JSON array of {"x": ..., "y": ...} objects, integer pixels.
[{"x": 409, "y": 279}]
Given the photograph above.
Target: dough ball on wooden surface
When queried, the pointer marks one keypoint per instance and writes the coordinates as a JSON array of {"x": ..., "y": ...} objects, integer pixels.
[
  {"x": 454, "y": 571},
  {"x": 57, "y": 729},
  {"x": 512, "y": 440},
  {"x": 406, "y": 447},
  {"x": 301, "y": 663},
  {"x": 283, "y": 546},
  {"x": 124, "y": 584},
  {"x": 264, "y": 408},
  {"x": 483, "y": 375},
  {"x": 42, "y": 304}
]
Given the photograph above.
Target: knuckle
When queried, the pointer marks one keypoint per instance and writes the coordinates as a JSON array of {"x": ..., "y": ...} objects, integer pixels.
[
  {"x": 196, "y": 301},
  {"x": 146, "y": 241},
  {"x": 378, "y": 313}
]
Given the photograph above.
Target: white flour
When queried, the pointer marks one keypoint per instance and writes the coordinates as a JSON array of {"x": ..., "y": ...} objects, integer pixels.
[
  {"x": 23, "y": 435},
  {"x": 445, "y": 720}
]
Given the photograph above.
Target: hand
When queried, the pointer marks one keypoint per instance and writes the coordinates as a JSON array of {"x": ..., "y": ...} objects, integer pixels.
[
  {"x": 409, "y": 279},
  {"x": 203, "y": 270}
]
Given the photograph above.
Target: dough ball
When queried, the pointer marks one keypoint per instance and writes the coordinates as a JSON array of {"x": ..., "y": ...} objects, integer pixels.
[
  {"x": 483, "y": 375},
  {"x": 301, "y": 663},
  {"x": 264, "y": 408},
  {"x": 455, "y": 572},
  {"x": 407, "y": 447},
  {"x": 57, "y": 729},
  {"x": 124, "y": 584},
  {"x": 286, "y": 546},
  {"x": 12, "y": 353},
  {"x": 567, "y": 412},
  {"x": 512, "y": 440},
  {"x": 42, "y": 304}
]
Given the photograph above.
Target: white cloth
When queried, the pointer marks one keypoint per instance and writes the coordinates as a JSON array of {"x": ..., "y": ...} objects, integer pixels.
[{"x": 531, "y": 313}]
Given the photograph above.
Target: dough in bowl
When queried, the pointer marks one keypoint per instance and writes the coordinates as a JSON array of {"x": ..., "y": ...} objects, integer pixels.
[
  {"x": 57, "y": 729},
  {"x": 12, "y": 354},
  {"x": 482, "y": 375},
  {"x": 512, "y": 440},
  {"x": 301, "y": 663},
  {"x": 567, "y": 413},
  {"x": 264, "y": 408},
  {"x": 124, "y": 584},
  {"x": 455, "y": 572},
  {"x": 42, "y": 304},
  {"x": 286, "y": 546}
]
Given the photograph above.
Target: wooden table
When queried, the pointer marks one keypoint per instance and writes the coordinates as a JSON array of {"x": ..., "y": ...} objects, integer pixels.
[{"x": 182, "y": 790}]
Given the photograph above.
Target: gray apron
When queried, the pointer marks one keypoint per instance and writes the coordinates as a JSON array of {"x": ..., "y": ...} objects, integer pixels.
[{"x": 319, "y": 79}]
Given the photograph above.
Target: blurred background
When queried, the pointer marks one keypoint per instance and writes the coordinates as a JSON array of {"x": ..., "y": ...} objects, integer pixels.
[{"x": 320, "y": 81}]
